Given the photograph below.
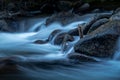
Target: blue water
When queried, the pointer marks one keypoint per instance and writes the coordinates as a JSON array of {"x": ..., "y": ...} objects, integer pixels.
[{"x": 47, "y": 61}]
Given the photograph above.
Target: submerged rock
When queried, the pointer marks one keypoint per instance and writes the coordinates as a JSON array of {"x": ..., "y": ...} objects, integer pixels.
[
  {"x": 9, "y": 66},
  {"x": 77, "y": 57},
  {"x": 40, "y": 42},
  {"x": 101, "y": 42}
]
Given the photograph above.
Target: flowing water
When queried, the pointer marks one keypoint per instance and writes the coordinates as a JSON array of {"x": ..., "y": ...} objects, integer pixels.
[{"x": 47, "y": 61}]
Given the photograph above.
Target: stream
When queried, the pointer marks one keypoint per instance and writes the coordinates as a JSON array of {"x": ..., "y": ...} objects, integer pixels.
[{"x": 47, "y": 61}]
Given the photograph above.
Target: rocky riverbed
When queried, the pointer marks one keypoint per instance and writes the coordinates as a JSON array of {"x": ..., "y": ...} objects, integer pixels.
[{"x": 62, "y": 39}]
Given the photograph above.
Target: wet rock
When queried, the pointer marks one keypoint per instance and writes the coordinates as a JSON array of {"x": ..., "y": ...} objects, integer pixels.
[
  {"x": 77, "y": 4},
  {"x": 101, "y": 42},
  {"x": 77, "y": 57},
  {"x": 92, "y": 19},
  {"x": 47, "y": 8},
  {"x": 60, "y": 38},
  {"x": 52, "y": 35},
  {"x": 12, "y": 7},
  {"x": 40, "y": 42},
  {"x": 4, "y": 26},
  {"x": 81, "y": 9},
  {"x": 63, "y": 18},
  {"x": 117, "y": 10},
  {"x": 74, "y": 32},
  {"x": 115, "y": 16},
  {"x": 8, "y": 66},
  {"x": 92, "y": 22},
  {"x": 96, "y": 17},
  {"x": 96, "y": 11},
  {"x": 97, "y": 24},
  {"x": 64, "y": 5},
  {"x": 104, "y": 4},
  {"x": 13, "y": 25}
]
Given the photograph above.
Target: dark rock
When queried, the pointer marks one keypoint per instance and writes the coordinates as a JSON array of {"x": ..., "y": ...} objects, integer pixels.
[
  {"x": 96, "y": 17},
  {"x": 97, "y": 24},
  {"x": 4, "y": 26},
  {"x": 64, "y": 18},
  {"x": 40, "y": 42},
  {"x": 104, "y": 4},
  {"x": 101, "y": 42},
  {"x": 8, "y": 66},
  {"x": 95, "y": 10},
  {"x": 86, "y": 26},
  {"x": 81, "y": 9},
  {"x": 13, "y": 25},
  {"x": 12, "y": 7},
  {"x": 115, "y": 16},
  {"x": 77, "y": 4},
  {"x": 52, "y": 35},
  {"x": 60, "y": 38},
  {"x": 117, "y": 10},
  {"x": 74, "y": 32},
  {"x": 64, "y": 5},
  {"x": 81, "y": 58},
  {"x": 47, "y": 8}
]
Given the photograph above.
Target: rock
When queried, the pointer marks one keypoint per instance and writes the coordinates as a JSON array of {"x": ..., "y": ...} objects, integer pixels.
[
  {"x": 96, "y": 11},
  {"x": 97, "y": 24},
  {"x": 64, "y": 5},
  {"x": 40, "y": 42},
  {"x": 86, "y": 26},
  {"x": 60, "y": 38},
  {"x": 77, "y": 4},
  {"x": 8, "y": 66},
  {"x": 63, "y": 18},
  {"x": 47, "y": 9},
  {"x": 81, "y": 58},
  {"x": 117, "y": 10},
  {"x": 52, "y": 35},
  {"x": 74, "y": 32},
  {"x": 115, "y": 16},
  {"x": 96, "y": 17},
  {"x": 4, "y": 26},
  {"x": 13, "y": 25},
  {"x": 101, "y": 42},
  {"x": 12, "y": 7},
  {"x": 81, "y": 9}
]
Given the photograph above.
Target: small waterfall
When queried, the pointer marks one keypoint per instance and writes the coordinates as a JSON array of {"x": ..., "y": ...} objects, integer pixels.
[{"x": 39, "y": 25}]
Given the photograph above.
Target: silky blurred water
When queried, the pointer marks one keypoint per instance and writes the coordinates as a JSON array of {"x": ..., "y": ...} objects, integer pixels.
[{"x": 47, "y": 61}]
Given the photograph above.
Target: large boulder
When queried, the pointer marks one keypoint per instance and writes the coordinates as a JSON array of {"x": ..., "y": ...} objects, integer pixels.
[
  {"x": 94, "y": 21},
  {"x": 101, "y": 42},
  {"x": 60, "y": 38},
  {"x": 97, "y": 24}
]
